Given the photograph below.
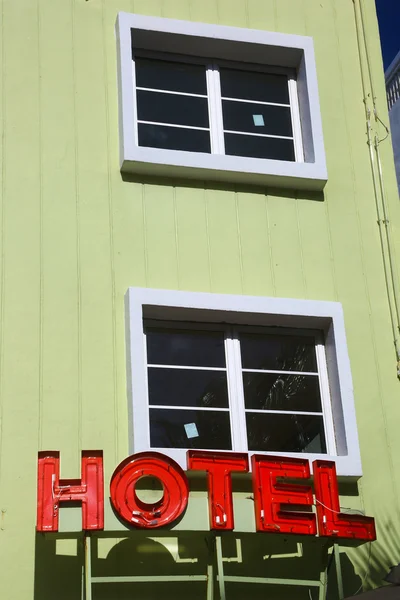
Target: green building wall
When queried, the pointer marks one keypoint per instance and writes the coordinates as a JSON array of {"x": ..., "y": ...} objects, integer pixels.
[{"x": 75, "y": 235}]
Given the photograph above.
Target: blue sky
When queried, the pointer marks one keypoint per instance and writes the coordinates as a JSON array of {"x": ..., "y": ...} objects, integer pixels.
[{"x": 389, "y": 26}]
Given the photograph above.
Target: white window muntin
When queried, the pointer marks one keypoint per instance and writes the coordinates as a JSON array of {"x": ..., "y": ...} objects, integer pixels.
[
  {"x": 135, "y": 129},
  {"x": 215, "y": 98},
  {"x": 234, "y": 372},
  {"x": 215, "y": 110}
]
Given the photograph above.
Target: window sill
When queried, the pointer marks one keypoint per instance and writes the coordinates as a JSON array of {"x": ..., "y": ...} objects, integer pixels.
[
  {"x": 231, "y": 169},
  {"x": 347, "y": 467}
]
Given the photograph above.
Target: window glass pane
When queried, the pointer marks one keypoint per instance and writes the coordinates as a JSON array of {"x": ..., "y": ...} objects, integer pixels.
[
  {"x": 185, "y": 347},
  {"x": 257, "y": 118},
  {"x": 202, "y": 429},
  {"x": 173, "y": 76},
  {"x": 271, "y": 391},
  {"x": 258, "y": 147},
  {"x": 182, "y": 387},
  {"x": 174, "y": 138},
  {"x": 285, "y": 433},
  {"x": 170, "y": 108},
  {"x": 278, "y": 352},
  {"x": 249, "y": 85}
]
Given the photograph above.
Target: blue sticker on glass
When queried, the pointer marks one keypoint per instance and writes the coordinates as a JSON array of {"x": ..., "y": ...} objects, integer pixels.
[
  {"x": 258, "y": 120},
  {"x": 191, "y": 430}
]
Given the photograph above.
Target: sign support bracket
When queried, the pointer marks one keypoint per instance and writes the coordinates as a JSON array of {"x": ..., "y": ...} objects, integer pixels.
[{"x": 215, "y": 573}]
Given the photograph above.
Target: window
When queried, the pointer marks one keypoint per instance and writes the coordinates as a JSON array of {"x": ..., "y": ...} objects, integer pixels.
[
  {"x": 242, "y": 374},
  {"x": 222, "y": 103},
  {"x": 241, "y": 389},
  {"x": 217, "y": 108}
]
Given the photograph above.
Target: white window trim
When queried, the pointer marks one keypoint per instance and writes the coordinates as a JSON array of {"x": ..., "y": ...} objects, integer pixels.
[
  {"x": 215, "y": 99},
  {"x": 244, "y": 310},
  {"x": 234, "y": 372},
  {"x": 225, "y": 43}
]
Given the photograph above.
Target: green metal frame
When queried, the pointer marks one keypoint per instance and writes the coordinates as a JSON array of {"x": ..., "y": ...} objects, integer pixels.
[
  {"x": 88, "y": 580},
  {"x": 338, "y": 565},
  {"x": 321, "y": 584},
  {"x": 215, "y": 573}
]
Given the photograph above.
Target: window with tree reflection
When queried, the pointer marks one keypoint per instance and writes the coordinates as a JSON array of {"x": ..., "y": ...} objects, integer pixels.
[{"x": 217, "y": 387}]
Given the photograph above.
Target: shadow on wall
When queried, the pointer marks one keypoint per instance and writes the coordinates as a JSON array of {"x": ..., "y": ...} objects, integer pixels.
[
  {"x": 314, "y": 196},
  {"x": 385, "y": 553},
  {"x": 374, "y": 562},
  {"x": 59, "y": 562},
  {"x": 59, "y": 566}
]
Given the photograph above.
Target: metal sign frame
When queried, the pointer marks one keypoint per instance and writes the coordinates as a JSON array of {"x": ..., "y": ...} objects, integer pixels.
[{"x": 214, "y": 577}]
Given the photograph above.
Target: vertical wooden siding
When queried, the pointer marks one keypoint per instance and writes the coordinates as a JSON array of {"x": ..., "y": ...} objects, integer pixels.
[{"x": 74, "y": 236}]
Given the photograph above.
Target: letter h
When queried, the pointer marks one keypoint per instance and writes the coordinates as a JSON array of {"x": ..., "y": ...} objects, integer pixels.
[{"x": 52, "y": 490}]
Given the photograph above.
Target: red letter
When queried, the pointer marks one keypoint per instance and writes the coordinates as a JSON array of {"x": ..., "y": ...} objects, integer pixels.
[
  {"x": 219, "y": 466},
  {"x": 141, "y": 514},
  {"x": 331, "y": 522},
  {"x": 270, "y": 495},
  {"x": 89, "y": 490}
]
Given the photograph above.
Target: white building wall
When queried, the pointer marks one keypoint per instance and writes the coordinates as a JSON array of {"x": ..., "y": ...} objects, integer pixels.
[
  {"x": 394, "y": 115},
  {"x": 392, "y": 77}
]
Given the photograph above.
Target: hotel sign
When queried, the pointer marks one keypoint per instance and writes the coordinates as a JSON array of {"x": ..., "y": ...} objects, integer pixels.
[{"x": 281, "y": 504}]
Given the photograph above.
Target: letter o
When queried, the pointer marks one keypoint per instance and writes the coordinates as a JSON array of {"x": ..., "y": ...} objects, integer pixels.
[{"x": 142, "y": 514}]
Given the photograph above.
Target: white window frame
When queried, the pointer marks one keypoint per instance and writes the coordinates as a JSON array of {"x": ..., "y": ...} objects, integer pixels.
[
  {"x": 214, "y": 99},
  {"x": 299, "y": 315},
  {"x": 216, "y": 43},
  {"x": 234, "y": 372}
]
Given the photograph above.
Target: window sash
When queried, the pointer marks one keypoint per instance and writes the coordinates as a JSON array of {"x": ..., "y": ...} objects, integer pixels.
[
  {"x": 214, "y": 97},
  {"x": 234, "y": 372}
]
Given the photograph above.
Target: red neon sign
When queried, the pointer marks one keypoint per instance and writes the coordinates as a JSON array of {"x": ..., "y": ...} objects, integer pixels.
[
  {"x": 331, "y": 521},
  {"x": 126, "y": 502},
  {"x": 273, "y": 497},
  {"x": 219, "y": 466},
  {"x": 52, "y": 490},
  {"x": 270, "y": 495}
]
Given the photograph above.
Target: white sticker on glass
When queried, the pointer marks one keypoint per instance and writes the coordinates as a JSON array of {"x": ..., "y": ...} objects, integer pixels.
[
  {"x": 191, "y": 430},
  {"x": 258, "y": 120}
]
